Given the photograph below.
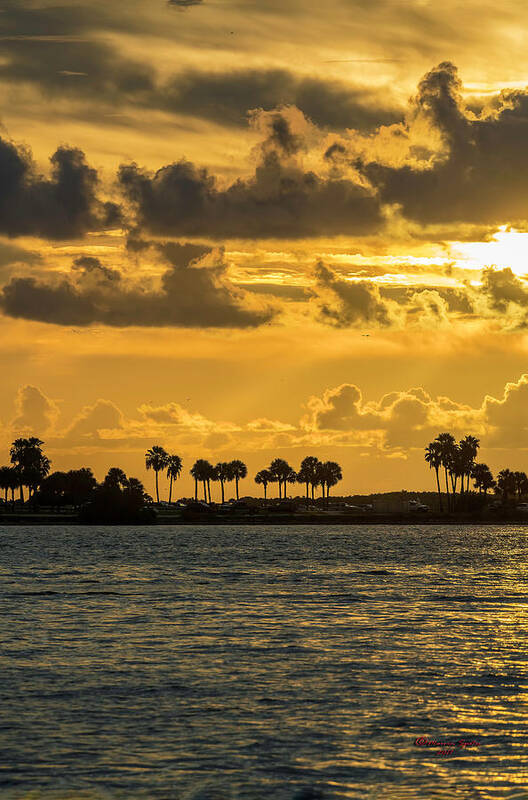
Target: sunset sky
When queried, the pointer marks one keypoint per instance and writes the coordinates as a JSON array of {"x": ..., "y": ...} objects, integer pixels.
[{"x": 258, "y": 229}]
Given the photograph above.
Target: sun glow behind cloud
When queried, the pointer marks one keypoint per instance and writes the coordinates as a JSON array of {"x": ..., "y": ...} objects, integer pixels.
[{"x": 506, "y": 248}]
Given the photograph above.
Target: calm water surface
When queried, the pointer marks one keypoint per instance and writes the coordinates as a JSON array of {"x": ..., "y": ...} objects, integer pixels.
[{"x": 264, "y": 663}]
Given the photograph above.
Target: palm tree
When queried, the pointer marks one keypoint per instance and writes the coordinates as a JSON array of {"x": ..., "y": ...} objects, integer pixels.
[
  {"x": 157, "y": 459},
  {"x": 202, "y": 471},
  {"x": 482, "y": 478},
  {"x": 331, "y": 473},
  {"x": 28, "y": 458},
  {"x": 521, "y": 483},
  {"x": 14, "y": 482},
  {"x": 239, "y": 471},
  {"x": 506, "y": 484},
  {"x": 223, "y": 473},
  {"x": 433, "y": 456},
  {"x": 303, "y": 476},
  {"x": 469, "y": 446},
  {"x": 291, "y": 477},
  {"x": 35, "y": 473},
  {"x": 308, "y": 473},
  {"x": 116, "y": 478},
  {"x": 447, "y": 448},
  {"x": 263, "y": 478},
  {"x": 280, "y": 469},
  {"x": 174, "y": 468},
  {"x": 459, "y": 464},
  {"x": 5, "y": 481}
]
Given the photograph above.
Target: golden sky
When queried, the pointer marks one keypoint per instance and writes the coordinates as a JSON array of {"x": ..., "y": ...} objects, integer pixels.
[{"x": 261, "y": 228}]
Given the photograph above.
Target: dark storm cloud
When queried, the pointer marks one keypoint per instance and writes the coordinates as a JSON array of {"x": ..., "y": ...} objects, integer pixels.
[
  {"x": 343, "y": 303},
  {"x": 194, "y": 293},
  {"x": 62, "y": 206},
  {"x": 80, "y": 70},
  {"x": 23, "y": 19},
  {"x": 279, "y": 200},
  {"x": 86, "y": 69},
  {"x": 483, "y": 175},
  {"x": 58, "y": 49},
  {"x": 226, "y": 97},
  {"x": 502, "y": 287},
  {"x": 184, "y": 3}
]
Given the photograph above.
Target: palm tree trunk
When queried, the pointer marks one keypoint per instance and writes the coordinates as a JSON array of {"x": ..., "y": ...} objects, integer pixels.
[
  {"x": 222, "y": 485},
  {"x": 205, "y": 490},
  {"x": 236, "y": 483},
  {"x": 265, "y": 491},
  {"x": 170, "y": 490},
  {"x": 447, "y": 490},
  {"x": 439, "y": 492},
  {"x": 196, "y": 490},
  {"x": 21, "y": 493},
  {"x": 157, "y": 487},
  {"x": 209, "y": 488}
]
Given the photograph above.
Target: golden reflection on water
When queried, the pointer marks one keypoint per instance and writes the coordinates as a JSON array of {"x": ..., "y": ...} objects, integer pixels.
[{"x": 262, "y": 662}]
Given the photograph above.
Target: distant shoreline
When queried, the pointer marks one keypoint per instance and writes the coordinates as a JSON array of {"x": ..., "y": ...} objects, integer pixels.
[{"x": 62, "y": 520}]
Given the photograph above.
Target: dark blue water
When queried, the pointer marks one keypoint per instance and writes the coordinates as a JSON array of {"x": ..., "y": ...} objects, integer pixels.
[{"x": 271, "y": 662}]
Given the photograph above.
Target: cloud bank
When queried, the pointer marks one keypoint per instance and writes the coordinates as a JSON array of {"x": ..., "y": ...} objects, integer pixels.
[{"x": 195, "y": 291}]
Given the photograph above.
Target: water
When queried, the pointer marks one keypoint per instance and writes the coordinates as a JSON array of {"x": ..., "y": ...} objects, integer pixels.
[{"x": 271, "y": 662}]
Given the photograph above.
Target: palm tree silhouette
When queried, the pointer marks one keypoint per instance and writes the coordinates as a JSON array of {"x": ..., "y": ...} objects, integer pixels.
[
  {"x": 506, "y": 484},
  {"x": 433, "y": 456},
  {"x": 304, "y": 477},
  {"x": 468, "y": 446},
  {"x": 447, "y": 446},
  {"x": 157, "y": 459},
  {"x": 308, "y": 472},
  {"x": 521, "y": 483},
  {"x": 482, "y": 478},
  {"x": 239, "y": 471},
  {"x": 330, "y": 475},
  {"x": 28, "y": 458},
  {"x": 459, "y": 464},
  {"x": 223, "y": 473},
  {"x": 174, "y": 468},
  {"x": 280, "y": 470},
  {"x": 291, "y": 477},
  {"x": 202, "y": 471},
  {"x": 5, "y": 481},
  {"x": 35, "y": 473},
  {"x": 116, "y": 478},
  {"x": 14, "y": 481},
  {"x": 263, "y": 478}
]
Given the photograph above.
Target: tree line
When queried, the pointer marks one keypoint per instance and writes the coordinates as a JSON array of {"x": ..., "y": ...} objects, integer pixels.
[
  {"x": 455, "y": 465},
  {"x": 30, "y": 469},
  {"x": 116, "y": 498},
  {"x": 312, "y": 473}
]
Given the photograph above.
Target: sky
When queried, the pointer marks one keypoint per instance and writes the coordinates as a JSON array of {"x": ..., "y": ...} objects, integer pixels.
[{"x": 263, "y": 229}]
